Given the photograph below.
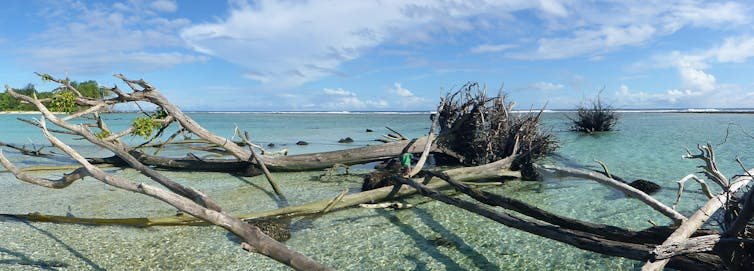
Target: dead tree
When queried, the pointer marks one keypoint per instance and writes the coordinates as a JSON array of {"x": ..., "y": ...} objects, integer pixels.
[
  {"x": 480, "y": 129},
  {"x": 186, "y": 199}
]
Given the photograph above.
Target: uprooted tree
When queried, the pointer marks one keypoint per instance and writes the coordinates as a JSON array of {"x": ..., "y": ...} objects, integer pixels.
[{"x": 480, "y": 132}]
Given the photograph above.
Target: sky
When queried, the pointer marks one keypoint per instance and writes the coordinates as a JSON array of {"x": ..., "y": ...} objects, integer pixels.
[{"x": 295, "y": 55}]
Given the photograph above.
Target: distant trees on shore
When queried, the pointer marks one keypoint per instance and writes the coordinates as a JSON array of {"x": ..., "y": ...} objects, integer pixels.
[{"x": 89, "y": 89}]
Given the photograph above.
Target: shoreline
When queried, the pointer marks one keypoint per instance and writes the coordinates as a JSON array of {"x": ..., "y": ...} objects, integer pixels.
[
  {"x": 20, "y": 113},
  {"x": 685, "y": 111}
]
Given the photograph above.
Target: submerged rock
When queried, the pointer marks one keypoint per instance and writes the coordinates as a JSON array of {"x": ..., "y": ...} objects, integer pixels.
[
  {"x": 276, "y": 228},
  {"x": 645, "y": 186},
  {"x": 390, "y": 165},
  {"x": 376, "y": 180},
  {"x": 346, "y": 140}
]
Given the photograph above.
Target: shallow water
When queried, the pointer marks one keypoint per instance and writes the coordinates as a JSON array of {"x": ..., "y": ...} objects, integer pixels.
[{"x": 431, "y": 236}]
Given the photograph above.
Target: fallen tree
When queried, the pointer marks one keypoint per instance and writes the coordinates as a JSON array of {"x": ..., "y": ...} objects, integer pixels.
[
  {"x": 475, "y": 130},
  {"x": 83, "y": 119},
  {"x": 185, "y": 199}
]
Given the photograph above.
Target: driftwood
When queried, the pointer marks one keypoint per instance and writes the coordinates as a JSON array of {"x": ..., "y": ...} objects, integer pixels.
[
  {"x": 187, "y": 200},
  {"x": 474, "y": 129},
  {"x": 684, "y": 231},
  {"x": 574, "y": 235},
  {"x": 630, "y": 191},
  {"x": 372, "y": 196}
]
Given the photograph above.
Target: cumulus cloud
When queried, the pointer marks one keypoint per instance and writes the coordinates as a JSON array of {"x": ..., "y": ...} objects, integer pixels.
[
  {"x": 734, "y": 49},
  {"x": 341, "y": 99},
  {"x": 91, "y": 38},
  {"x": 400, "y": 91},
  {"x": 723, "y": 96},
  {"x": 695, "y": 78},
  {"x": 406, "y": 99}
]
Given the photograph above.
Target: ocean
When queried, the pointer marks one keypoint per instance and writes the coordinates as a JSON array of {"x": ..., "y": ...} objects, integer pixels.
[{"x": 430, "y": 236}]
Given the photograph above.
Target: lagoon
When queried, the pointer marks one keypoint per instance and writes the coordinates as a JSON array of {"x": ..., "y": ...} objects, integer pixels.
[{"x": 431, "y": 236}]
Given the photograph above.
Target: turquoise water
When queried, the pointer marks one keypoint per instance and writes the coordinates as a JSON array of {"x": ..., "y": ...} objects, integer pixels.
[{"x": 645, "y": 145}]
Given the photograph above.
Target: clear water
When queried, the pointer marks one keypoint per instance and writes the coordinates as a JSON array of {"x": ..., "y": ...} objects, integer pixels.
[{"x": 646, "y": 145}]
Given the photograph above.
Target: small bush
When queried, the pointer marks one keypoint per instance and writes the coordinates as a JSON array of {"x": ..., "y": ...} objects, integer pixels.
[
  {"x": 64, "y": 101},
  {"x": 144, "y": 127},
  {"x": 597, "y": 117}
]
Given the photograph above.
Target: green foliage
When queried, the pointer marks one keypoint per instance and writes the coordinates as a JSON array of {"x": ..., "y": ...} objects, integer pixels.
[
  {"x": 597, "y": 117},
  {"x": 144, "y": 127},
  {"x": 103, "y": 134},
  {"x": 7, "y": 102},
  {"x": 91, "y": 89},
  {"x": 60, "y": 101},
  {"x": 64, "y": 101},
  {"x": 160, "y": 113}
]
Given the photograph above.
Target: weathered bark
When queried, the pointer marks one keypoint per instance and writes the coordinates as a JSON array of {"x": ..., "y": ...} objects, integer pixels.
[
  {"x": 118, "y": 149},
  {"x": 187, "y": 200},
  {"x": 583, "y": 240},
  {"x": 697, "y": 244},
  {"x": 262, "y": 243},
  {"x": 152, "y": 95},
  {"x": 316, "y": 207},
  {"x": 317, "y": 161},
  {"x": 695, "y": 221},
  {"x": 301, "y": 162},
  {"x": 630, "y": 191},
  {"x": 698, "y": 219},
  {"x": 24, "y": 150}
]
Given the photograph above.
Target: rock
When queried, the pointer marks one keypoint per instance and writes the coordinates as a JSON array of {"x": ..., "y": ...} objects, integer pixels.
[
  {"x": 346, "y": 140},
  {"x": 302, "y": 143},
  {"x": 645, "y": 186},
  {"x": 369, "y": 130},
  {"x": 271, "y": 145},
  {"x": 389, "y": 165},
  {"x": 275, "y": 228},
  {"x": 376, "y": 180}
]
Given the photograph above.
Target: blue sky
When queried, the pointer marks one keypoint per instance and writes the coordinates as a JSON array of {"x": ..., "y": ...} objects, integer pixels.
[{"x": 390, "y": 55}]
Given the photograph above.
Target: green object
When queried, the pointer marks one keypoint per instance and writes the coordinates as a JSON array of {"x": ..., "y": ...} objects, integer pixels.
[{"x": 406, "y": 159}]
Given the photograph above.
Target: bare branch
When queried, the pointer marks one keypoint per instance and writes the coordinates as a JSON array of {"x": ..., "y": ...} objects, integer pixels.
[
  {"x": 630, "y": 191},
  {"x": 695, "y": 221},
  {"x": 63, "y": 182},
  {"x": 701, "y": 182}
]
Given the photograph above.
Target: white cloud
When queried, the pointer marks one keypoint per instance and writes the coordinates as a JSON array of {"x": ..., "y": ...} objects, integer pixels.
[
  {"x": 492, "y": 48},
  {"x": 293, "y": 42},
  {"x": 406, "y": 99},
  {"x": 589, "y": 29},
  {"x": 94, "y": 38},
  {"x": 588, "y": 42},
  {"x": 400, "y": 91},
  {"x": 553, "y": 7},
  {"x": 543, "y": 86},
  {"x": 723, "y": 96},
  {"x": 338, "y": 92},
  {"x": 734, "y": 49},
  {"x": 695, "y": 78},
  {"x": 165, "y": 5},
  {"x": 341, "y": 99}
]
